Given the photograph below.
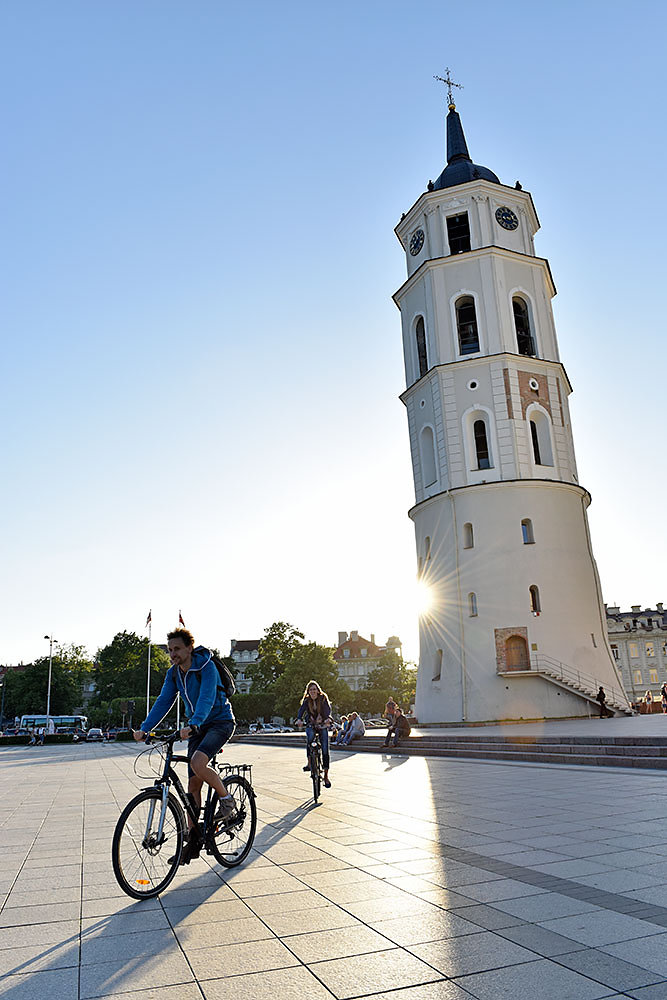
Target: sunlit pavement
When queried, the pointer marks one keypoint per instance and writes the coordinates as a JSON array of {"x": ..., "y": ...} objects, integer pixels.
[{"x": 415, "y": 879}]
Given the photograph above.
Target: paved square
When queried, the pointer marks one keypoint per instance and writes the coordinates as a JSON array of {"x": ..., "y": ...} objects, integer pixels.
[{"x": 416, "y": 878}]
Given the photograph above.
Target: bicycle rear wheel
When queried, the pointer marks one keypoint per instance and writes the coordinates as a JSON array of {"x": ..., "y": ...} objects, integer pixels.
[
  {"x": 230, "y": 840},
  {"x": 316, "y": 772},
  {"x": 145, "y": 860}
]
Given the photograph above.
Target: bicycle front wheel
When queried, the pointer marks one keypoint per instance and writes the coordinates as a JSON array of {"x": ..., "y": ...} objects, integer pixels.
[
  {"x": 146, "y": 847},
  {"x": 316, "y": 773},
  {"x": 230, "y": 840}
]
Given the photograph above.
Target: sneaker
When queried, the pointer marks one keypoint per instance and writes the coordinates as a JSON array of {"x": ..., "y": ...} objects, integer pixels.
[
  {"x": 226, "y": 809},
  {"x": 327, "y": 783},
  {"x": 307, "y": 767}
]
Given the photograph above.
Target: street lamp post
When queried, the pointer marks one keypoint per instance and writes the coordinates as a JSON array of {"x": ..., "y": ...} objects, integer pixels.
[{"x": 48, "y": 694}]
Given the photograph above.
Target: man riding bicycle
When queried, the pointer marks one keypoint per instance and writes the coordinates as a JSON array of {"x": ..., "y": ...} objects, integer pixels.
[
  {"x": 194, "y": 676},
  {"x": 316, "y": 712}
]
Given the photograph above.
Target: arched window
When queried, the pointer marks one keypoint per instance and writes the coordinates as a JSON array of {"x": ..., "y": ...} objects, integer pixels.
[
  {"x": 466, "y": 324},
  {"x": 535, "y": 605},
  {"x": 420, "y": 335},
  {"x": 427, "y": 454},
  {"x": 481, "y": 445},
  {"x": 540, "y": 437},
  {"x": 472, "y": 605},
  {"x": 524, "y": 336},
  {"x": 527, "y": 531},
  {"x": 437, "y": 665},
  {"x": 468, "y": 536}
]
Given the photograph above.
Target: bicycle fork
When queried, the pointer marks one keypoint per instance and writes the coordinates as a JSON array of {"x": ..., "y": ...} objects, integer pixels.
[{"x": 159, "y": 833}]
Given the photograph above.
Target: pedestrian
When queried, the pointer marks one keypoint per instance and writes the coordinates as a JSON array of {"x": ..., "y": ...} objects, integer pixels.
[
  {"x": 355, "y": 730},
  {"x": 400, "y": 728},
  {"x": 648, "y": 701},
  {"x": 602, "y": 697},
  {"x": 663, "y": 695},
  {"x": 42, "y": 733}
]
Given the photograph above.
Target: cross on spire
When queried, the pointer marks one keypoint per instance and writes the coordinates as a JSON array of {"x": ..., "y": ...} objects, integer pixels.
[{"x": 450, "y": 83}]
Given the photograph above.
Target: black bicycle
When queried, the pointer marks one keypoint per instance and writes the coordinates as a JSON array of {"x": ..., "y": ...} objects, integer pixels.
[
  {"x": 315, "y": 761},
  {"x": 151, "y": 831}
]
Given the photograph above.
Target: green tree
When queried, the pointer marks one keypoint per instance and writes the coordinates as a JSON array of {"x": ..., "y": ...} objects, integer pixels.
[
  {"x": 309, "y": 661},
  {"x": 121, "y": 669},
  {"x": 26, "y": 691},
  {"x": 254, "y": 705},
  {"x": 276, "y": 652},
  {"x": 394, "y": 677}
]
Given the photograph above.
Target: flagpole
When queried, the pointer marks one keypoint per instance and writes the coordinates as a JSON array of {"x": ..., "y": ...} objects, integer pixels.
[
  {"x": 178, "y": 697},
  {"x": 148, "y": 674}
]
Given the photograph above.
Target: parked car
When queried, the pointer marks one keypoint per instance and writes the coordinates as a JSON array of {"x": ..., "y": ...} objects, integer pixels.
[
  {"x": 375, "y": 723},
  {"x": 94, "y": 735}
]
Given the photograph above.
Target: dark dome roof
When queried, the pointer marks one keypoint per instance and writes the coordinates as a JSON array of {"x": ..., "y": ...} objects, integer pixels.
[{"x": 460, "y": 169}]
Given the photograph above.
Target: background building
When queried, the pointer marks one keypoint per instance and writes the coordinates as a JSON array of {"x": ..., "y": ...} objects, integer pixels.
[
  {"x": 357, "y": 657},
  {"x": 638, "y": 642},
  {"x": 517, "y": 625},
  {"x": 244, "y": 652}
]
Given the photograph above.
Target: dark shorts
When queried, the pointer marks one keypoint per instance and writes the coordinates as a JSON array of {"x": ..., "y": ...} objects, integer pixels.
[{"x": 210, "y": 739}]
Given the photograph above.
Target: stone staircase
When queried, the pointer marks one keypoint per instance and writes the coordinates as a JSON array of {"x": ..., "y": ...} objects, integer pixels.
[
  {"x": 573, "y": 680},
  {"x": 592, "y": 751}
]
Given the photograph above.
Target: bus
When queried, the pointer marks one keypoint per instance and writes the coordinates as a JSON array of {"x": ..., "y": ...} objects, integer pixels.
[{"x": 53, "y": 723}]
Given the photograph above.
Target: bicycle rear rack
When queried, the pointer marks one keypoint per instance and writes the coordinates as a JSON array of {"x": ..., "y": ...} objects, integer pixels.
[{"x": 243, "y": 770}]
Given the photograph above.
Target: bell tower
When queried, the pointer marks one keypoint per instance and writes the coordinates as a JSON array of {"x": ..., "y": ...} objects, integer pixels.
[{"x": 516, "y": 627}]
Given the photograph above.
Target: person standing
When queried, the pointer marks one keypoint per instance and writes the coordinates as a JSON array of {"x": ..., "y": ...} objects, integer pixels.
[
  {"x": 663, "y": 697},
  {"x": 602, "y": 697},
  {"x": 648, "y": 701}
]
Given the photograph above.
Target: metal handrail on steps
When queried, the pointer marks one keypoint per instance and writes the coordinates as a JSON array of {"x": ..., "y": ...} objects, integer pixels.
[{"x": 589, "y": 685}]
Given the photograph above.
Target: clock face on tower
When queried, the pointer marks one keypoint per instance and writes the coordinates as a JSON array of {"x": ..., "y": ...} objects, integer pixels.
[
  {"x": 506, "y": 218},
  {"x": 416, "y": 242}
]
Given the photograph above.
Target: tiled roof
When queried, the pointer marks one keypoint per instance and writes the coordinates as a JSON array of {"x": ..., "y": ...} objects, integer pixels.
[
  {"x": 355, "y": 646},
  {"x": 243, "y": 645}
]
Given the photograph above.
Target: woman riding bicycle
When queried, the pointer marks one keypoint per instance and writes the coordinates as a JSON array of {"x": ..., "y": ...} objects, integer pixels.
[
  {"x": 194, "y": 676},
  {"x": 316, "y": 713}
]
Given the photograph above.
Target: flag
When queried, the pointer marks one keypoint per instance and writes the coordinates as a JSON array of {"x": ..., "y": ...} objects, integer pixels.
[
  {"x": 180, "y": 619},
  {"x": 149, "y": 619}
]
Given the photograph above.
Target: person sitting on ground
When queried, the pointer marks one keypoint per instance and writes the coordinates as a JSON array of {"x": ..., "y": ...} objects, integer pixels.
[
  {"x": 194, "y": 676},
  {"x": 399, "y": 729},
  {"x": 342, "y": 729},
  {"x": 355, "y": 730},
  {"x": 315, "y": 712}
]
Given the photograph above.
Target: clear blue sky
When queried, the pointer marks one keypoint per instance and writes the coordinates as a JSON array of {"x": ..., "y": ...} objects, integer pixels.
[{"x": 201, "y": 356}]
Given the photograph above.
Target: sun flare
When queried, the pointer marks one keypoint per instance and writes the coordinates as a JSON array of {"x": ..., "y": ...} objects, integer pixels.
[{"x": 423, "y": 598}]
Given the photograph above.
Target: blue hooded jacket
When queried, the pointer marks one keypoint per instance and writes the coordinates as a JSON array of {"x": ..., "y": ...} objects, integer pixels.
[{"x": 201, "y": 690}]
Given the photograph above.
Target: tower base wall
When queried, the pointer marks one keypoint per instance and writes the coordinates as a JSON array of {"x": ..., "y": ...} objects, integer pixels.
[{"x": 482, "y": 625}]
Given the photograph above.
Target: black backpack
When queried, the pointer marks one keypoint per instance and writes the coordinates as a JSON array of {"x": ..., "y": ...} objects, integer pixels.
[{"x": 226, "y": 676}]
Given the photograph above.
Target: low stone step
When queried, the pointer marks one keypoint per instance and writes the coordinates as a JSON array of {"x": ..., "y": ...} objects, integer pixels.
[{"x": 590, "y": 751}]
